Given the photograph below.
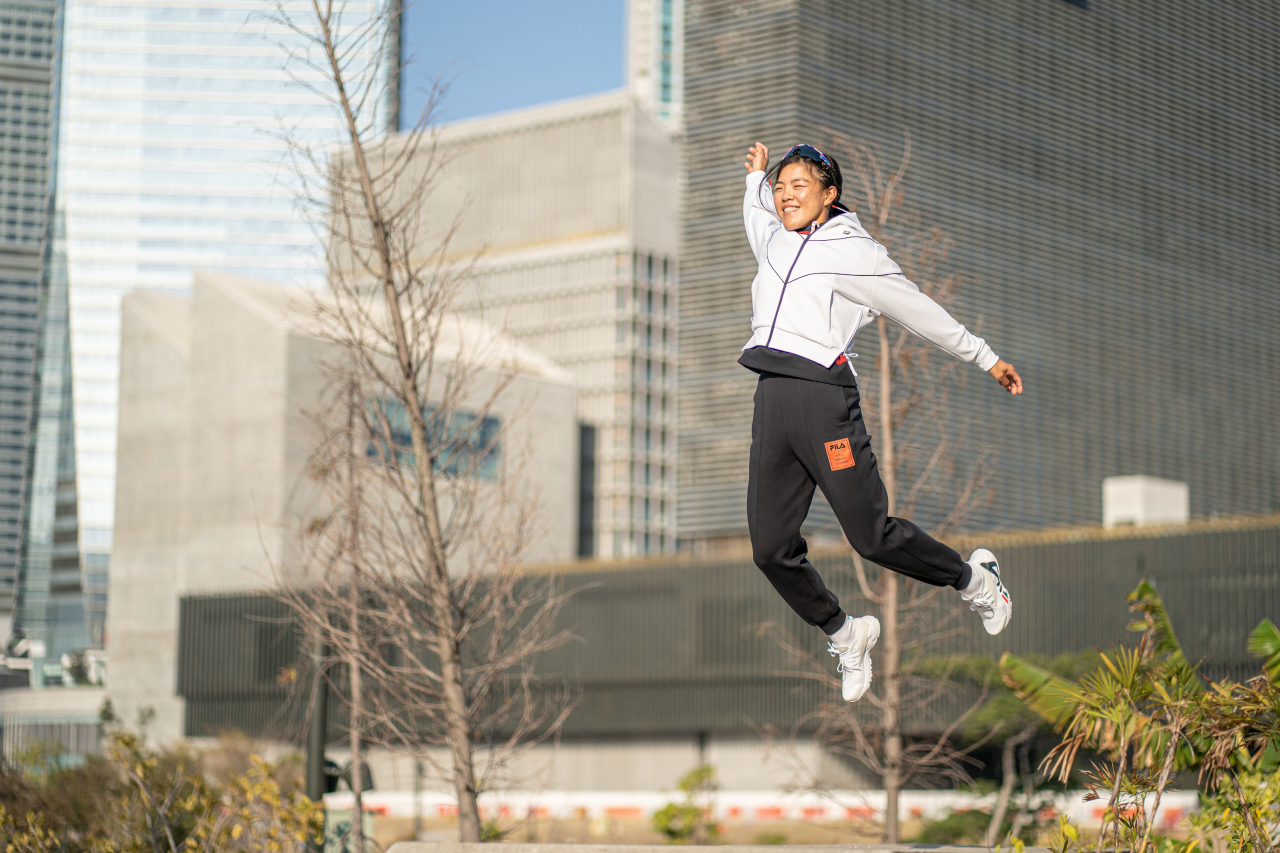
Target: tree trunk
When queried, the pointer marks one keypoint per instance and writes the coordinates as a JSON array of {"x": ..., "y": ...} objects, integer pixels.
[
  {"x": 1006, "y": 792},
  {"x": 457, "y": 718},
  {"x": 892, "y": 708},
  {"x": 1028, "y": 789},
  {"x": 1114, "y": 802},
  {"x": 1166, "y": 767},
  {"x": 1009, "y": 757},
  {"x": 1247, "y": 811},
  {"x": 460, "y": 744},
  {"x": 395, "y": 56},
  {"x": 889, "y": 639},
  {"x": 357, "y": 720}
]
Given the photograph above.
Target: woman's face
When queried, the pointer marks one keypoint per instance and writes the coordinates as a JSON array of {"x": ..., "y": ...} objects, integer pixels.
[{"x": 800, "y": 198}]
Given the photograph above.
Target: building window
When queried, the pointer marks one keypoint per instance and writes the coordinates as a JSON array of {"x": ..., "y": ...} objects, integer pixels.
[
  {"x": 460, "y": 442},
  {"x": 667, "y": 51}
]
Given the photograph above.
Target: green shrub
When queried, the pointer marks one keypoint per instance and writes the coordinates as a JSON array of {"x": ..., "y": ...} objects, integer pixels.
[
  {"x": 138, "y": 799},
  {"x": 689, "y": 822},
  {"x": 956, "y": 828}
]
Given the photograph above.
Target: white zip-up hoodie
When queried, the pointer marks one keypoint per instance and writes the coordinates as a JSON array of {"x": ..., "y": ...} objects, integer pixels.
[{"x": 836, "y": 281}]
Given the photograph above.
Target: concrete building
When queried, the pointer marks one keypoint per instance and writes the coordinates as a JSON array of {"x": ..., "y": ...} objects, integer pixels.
[
  {"x": 1109, "y": 176},
  {"x": 570, "y": 219},
  {"x": 214, "y": 436},
  {"x": 70, "y": 717}
]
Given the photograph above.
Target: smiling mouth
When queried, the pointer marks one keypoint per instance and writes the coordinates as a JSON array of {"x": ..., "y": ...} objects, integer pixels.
[{"x": 787, "y": 211}]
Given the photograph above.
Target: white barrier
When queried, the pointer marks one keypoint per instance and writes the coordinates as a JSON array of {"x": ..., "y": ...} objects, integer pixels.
[{"x": 736, "y": 806}]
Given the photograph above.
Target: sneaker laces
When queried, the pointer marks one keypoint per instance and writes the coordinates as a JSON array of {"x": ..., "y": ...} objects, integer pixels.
[
  {"x": 984, "y": 602},
  {"x": 841, "y": 656}
]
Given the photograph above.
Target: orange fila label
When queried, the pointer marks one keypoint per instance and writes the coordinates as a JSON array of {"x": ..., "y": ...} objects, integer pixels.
[{"x": 839, "y": 454}]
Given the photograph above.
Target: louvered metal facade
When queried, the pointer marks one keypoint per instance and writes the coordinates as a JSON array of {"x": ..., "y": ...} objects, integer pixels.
[
  {"x": 671, "y": 648},
  {"x": 1110, "y": 174}
]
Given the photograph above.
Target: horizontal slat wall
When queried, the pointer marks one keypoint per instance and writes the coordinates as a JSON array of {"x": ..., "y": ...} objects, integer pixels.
[
  {"x": 1111, "y": 178},
  {"x": 673, "y": 648},
  {"x": 741, "y": 79}
]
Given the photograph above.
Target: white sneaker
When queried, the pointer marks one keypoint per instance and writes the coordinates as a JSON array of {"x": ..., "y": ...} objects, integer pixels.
[
  {"x": 857, "y": 639},
  {"x": 991, "y": 600}
]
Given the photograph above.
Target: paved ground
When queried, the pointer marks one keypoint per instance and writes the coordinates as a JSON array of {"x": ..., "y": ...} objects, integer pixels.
[{"x": 455, "y": 847}]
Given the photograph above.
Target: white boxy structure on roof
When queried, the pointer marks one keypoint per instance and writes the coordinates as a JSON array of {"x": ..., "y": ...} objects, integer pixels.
[{"x": 1143, "y": 501}]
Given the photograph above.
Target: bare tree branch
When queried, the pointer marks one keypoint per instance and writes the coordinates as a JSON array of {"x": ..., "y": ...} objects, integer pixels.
[{"x": 411, "y": 563}]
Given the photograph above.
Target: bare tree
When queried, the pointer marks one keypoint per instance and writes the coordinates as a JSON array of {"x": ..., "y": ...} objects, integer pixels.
[
  {"x": 411, "y": 567},
  {"x": 916, "y": 451}
]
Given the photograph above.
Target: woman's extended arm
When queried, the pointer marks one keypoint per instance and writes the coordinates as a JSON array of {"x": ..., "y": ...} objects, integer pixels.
[{"x": 898, "y": 298}]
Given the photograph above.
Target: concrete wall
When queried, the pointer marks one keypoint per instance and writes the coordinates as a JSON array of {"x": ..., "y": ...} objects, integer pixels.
[
  {"x": 149, "y": 574},
  {"x": 640, "y": 764},
  {"x": 218, "y": 398}
]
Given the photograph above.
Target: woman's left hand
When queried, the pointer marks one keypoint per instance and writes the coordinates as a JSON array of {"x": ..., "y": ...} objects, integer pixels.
[{"x": 1008, "y": 377}]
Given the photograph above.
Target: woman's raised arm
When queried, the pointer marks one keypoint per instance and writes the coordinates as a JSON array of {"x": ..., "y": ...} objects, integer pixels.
[{"x": 758, "y": 219}]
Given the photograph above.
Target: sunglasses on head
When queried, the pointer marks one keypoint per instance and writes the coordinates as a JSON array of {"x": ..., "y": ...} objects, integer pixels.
[{"x": 807, "y": 151}]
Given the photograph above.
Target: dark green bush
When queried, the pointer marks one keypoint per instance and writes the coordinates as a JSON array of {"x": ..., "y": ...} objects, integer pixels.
[{"x": 956, "y": 828}]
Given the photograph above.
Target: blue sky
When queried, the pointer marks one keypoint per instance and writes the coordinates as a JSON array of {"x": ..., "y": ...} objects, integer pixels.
[{"x": 504, "y": 54}]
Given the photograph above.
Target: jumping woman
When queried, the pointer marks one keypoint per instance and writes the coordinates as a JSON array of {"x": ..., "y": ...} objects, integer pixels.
[{"x": 821, "y": 279}]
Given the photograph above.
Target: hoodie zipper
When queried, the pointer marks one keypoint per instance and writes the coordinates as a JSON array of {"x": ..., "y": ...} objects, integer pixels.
[{"x": 813, "y": 229}]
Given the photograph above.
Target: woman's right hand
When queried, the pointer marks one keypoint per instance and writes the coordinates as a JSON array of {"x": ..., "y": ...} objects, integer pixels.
[{"x": 757, "y": 158}]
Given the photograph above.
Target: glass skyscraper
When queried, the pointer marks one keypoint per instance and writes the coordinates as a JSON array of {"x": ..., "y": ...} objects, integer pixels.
[
  {"x": 28, "y": 46},
  {"x": 1110, "y": 176},
  {"x": 655, "y": 55},
  {"x": 169, "y": 160}
]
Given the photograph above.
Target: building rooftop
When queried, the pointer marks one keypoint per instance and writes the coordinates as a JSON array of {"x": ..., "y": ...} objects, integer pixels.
[{"x": 307, "y": 312}]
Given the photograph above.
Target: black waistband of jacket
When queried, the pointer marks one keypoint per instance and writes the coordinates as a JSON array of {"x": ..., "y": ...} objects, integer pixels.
[{"x": 771, "y": 362}]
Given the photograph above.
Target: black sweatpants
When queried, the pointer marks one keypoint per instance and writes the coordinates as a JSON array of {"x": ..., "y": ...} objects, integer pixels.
[{"x": 807, "y": 433}]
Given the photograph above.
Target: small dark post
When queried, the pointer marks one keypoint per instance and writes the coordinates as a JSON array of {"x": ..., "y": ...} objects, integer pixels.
[
  {"x": 417, "y": 799},
  {"x": 319, "y": 723}
]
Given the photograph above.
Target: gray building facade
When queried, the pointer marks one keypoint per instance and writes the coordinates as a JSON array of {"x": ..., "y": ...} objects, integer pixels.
[
  {"x": 1110, "y": 175},
  {"x": 577, "y": 261},
  {"x": 670, "y": 650}
]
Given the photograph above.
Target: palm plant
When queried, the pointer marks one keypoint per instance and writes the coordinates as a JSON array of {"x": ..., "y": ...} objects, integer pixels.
[{"x": 1147, "y": 712}]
